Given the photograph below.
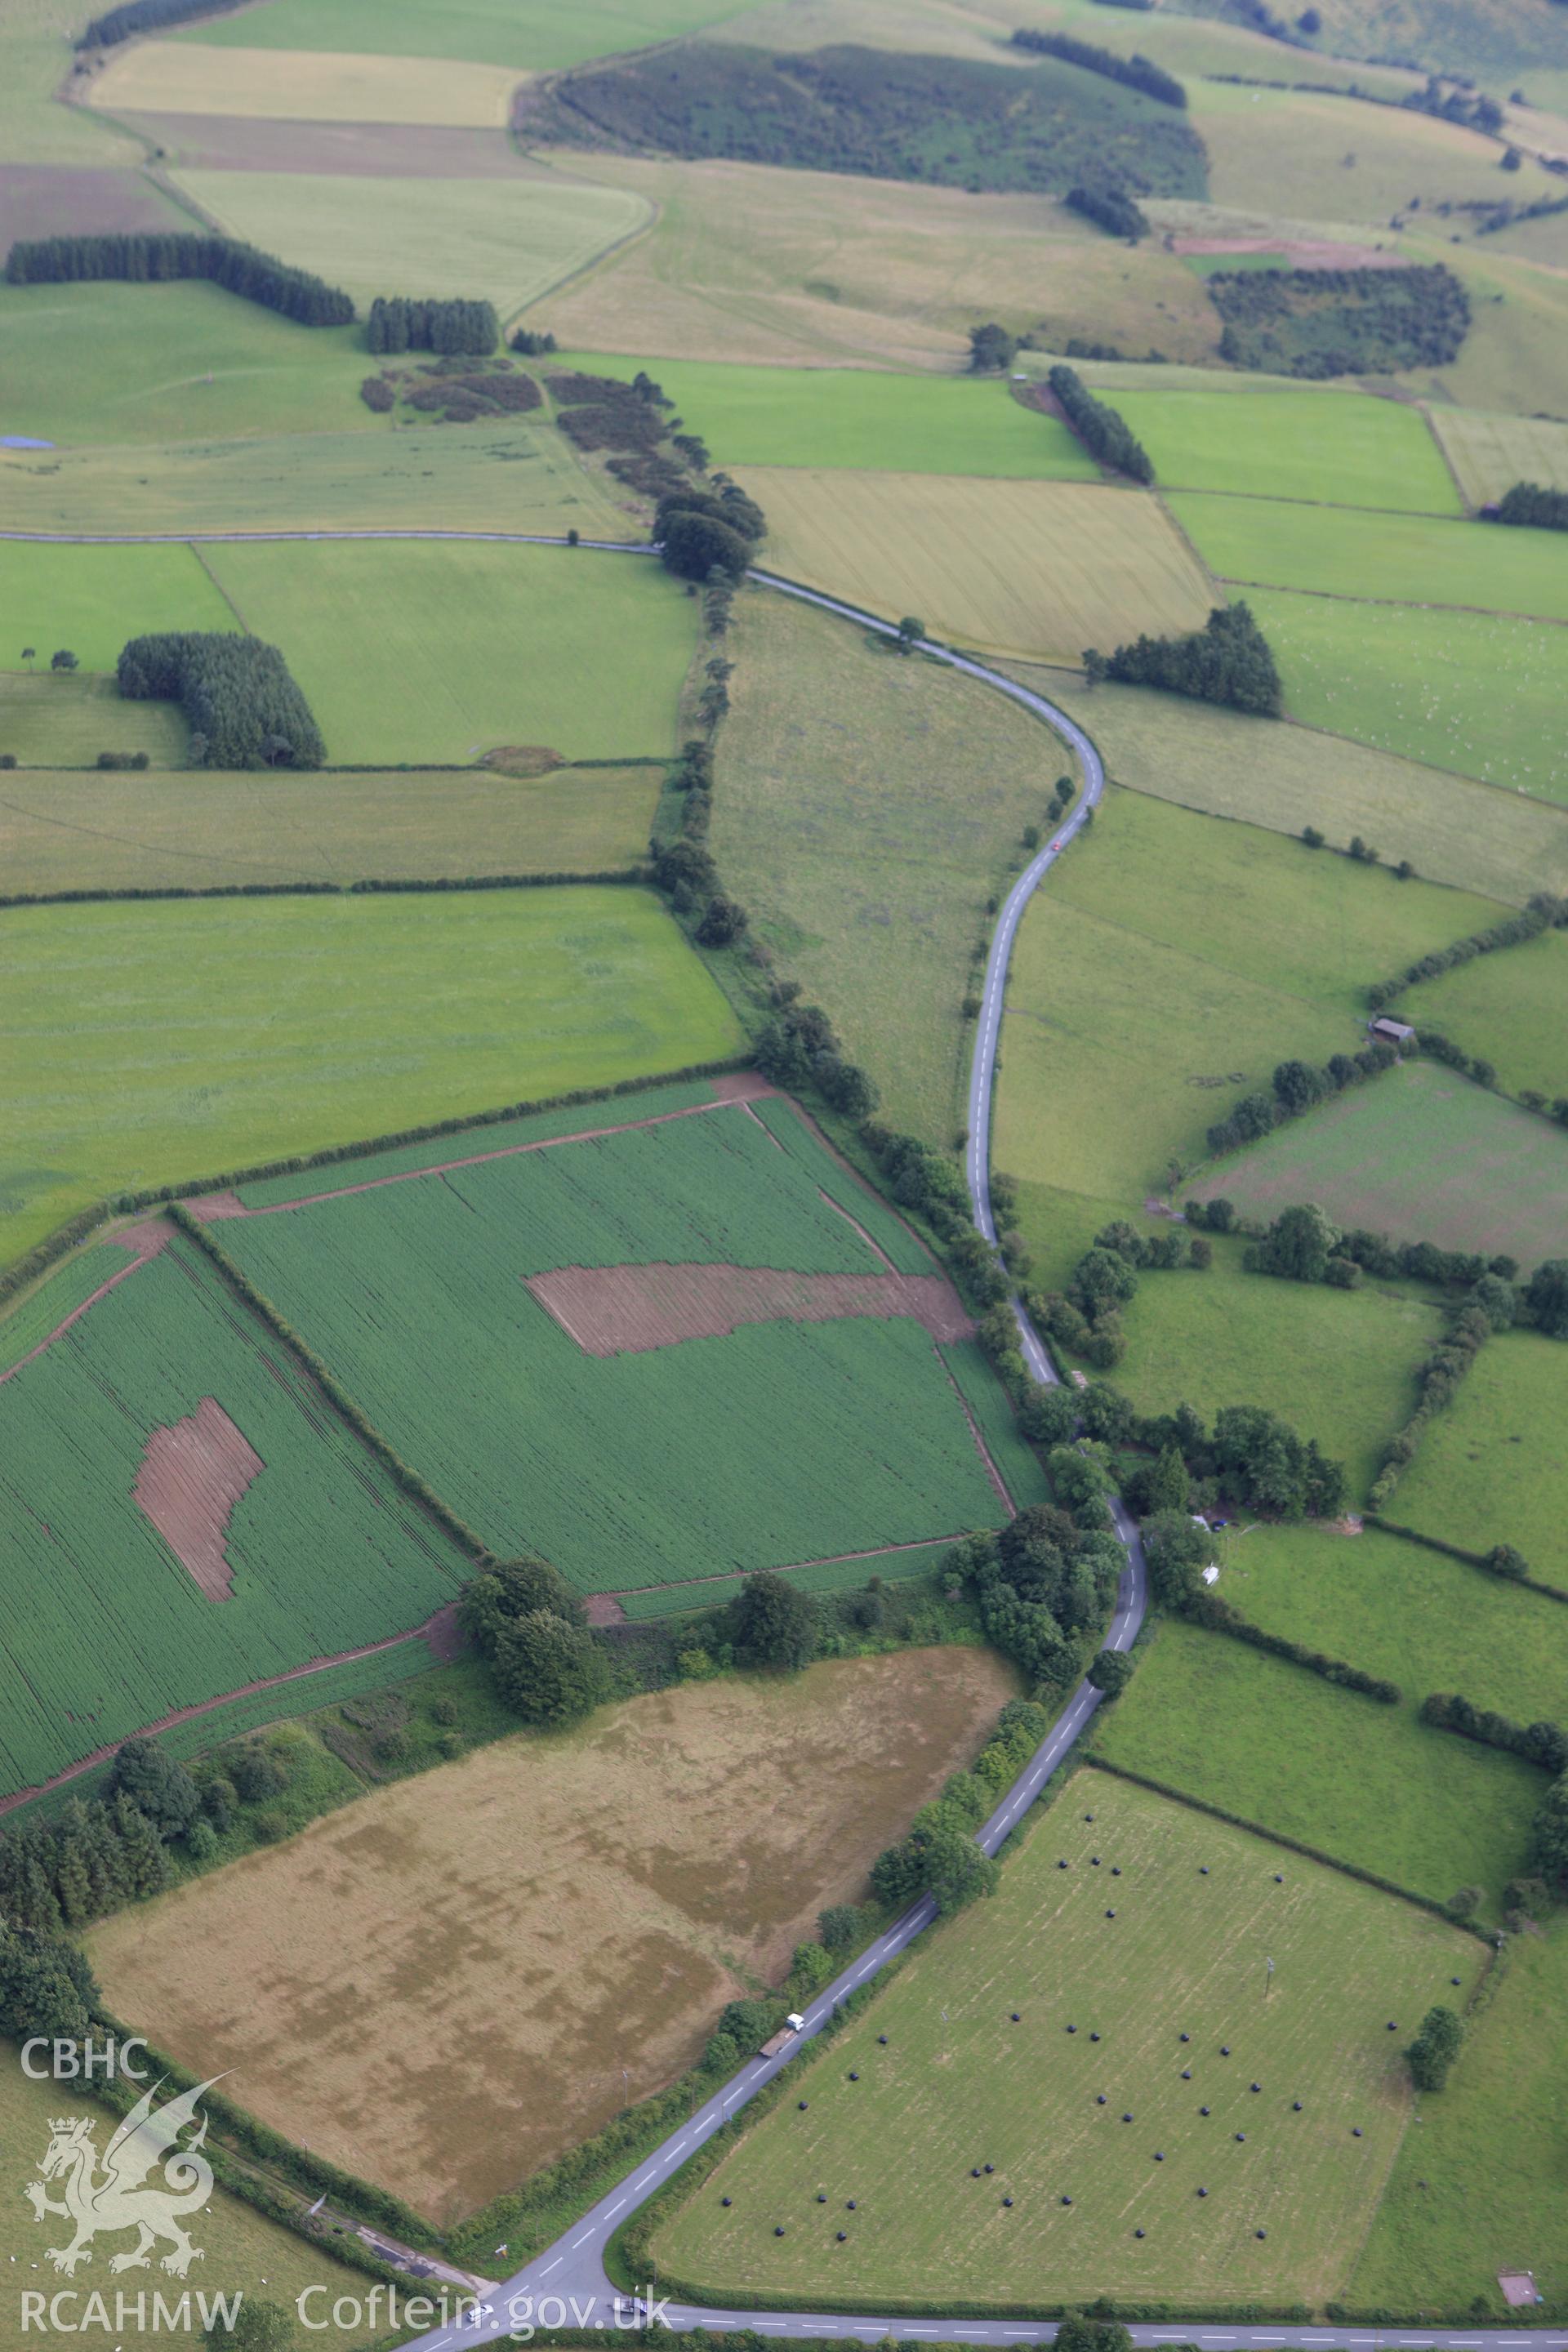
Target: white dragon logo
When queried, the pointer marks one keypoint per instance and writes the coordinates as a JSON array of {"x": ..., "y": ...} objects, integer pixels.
[{"x": 121, "y": 2197}]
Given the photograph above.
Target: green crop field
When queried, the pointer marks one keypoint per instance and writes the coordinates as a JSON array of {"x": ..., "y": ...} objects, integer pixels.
[
  {"x": 159, "y": 831},
  {"x": 1508, "y": 1008},
  {"x": 1022, "y": 568},
  {"x": 511, "y": 240},
  {"x": 424, "y": 651},
  {"x": 1422, "y": 1154},
  {"x": 852, "y": 417},
  {"x": 150, "y": 1045},
  {"x": 656, "y": 1466},
  {"x": 1401, "y": 559},
  {"x": 822, "y": 1576},
  {"x": 1489, "y": 454},
  {"x": 553, "y": 33},
  {"x": 28, "y": 1322},
  {"x": 92, "y": 599},
  {"x": 1367, "y": 1783},
  {"x": 143, "y": 1637},
  {"x": 522, "y": 475},
  {"x": 1019, "y": 1464},
  {"x": 1340, "y": 1366},
  {"x": 1481, "y": 2178},
  {"x": 1479, "y": 694},
  {"x": 1494, "y": 1467},
  {"x": 867, "y": 809},
  {"x": 1161, "y": 1951},
  {"x": 51, "y": 720},
  {"x": 1173, "y": 960},
  {"x": 1345, "y": 448},
  {"x": 123, "y": 364}
]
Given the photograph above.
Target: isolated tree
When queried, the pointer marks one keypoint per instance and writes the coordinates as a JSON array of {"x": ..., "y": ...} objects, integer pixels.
[
  {"x": 910, "y": 632},
  {"x": 550, "y": 1671},
  {"x": 1435, "y": 2048},
  {"x": 1111, "y": 1671},
  {"x": 991, "y": 347},
  {"x": 64, "y": 660},
  {"x": 772, "y": 1622},
  {"x": 1504, "y": 1561},
  {"x": 1299, "y": 1243},
  {"x": 29, "y": 653},
  {"x": 158, "y": 1786},
  {"x": 512, "y": 1589}
]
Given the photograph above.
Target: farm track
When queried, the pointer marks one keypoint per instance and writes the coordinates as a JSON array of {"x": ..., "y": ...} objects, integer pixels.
[{"x": 573, "y": 2269}]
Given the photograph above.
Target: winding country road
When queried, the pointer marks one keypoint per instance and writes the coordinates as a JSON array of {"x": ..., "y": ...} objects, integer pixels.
[{"x": 573, "y": 2269}]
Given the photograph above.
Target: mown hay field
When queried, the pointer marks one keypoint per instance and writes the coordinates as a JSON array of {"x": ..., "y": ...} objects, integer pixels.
[
  {"x": 427, "y": 652},
  {"x": 1227, "y": 763},
  {"x": 687, "y": 1839},
  {"x": 53, "y": 721},
  {"x": 1369, "y": 1784},
  {"x": 1511, "y": 1009},
  {"x": 979, "y": 2070},
  {"x": 107, "y": 1627},
  {"x": 1475, "y": 692},
  {"x": 1494, "y": 1467},
  {"x": 510, "y": 240},
  {"x": 852, "y": 417},
  {"x": 190, "y": 829},
  {"x": 1422, "y": 1154},
  {"x": 1024, "y": 568},
  {"x": 1173, "y": 962},
  {"x": 235, "y": 2241},
  {"x": 135, "y": 363},
  {"x": 1397, "y": 559},
  {"x": 639, "y": 1468},
  {"x": 151, "y": 1044},
  {"x": 750, "y": 261},
  {"x": 89, "y": 600},
  {"x": 1345, "y": 448},
  {"x": 554, "y": 32},
  {"x": 1489, "y": 454},
  {"x": 867, "y": 808},
  {"x": 522, "y": 476},
  {"x": 189, "y": 78}
]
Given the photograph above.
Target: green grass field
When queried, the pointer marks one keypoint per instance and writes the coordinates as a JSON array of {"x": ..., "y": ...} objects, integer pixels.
[
  {"x": 50, "y": 720},
  {"x": 522, "y": 476},
  {"x": 1402, "y": 558},
  {"x": 1422, "y": 1154},
  {"x": 423, "y": 652},
  {"x": 150, "y": 1045},
  {"x": 1480, "y": 2187},
  {"x": 235, "y": 2240},
  {"x": 1489, "y": 454},
  {"x": 123, "y": 364},
  {"x": 1494, "y": 1467},
  {"x": 511, "y": 240},
  {"x": 1338, "y": 1365},
  {"x": 157, "y": 831},
  {"x": 92, "y": 599},
  {"x": 1452, "y": 829},
  {"x": 110, "y": 1628},
  {"x": 853, "y": 417},
  {"x": 1172, "y": 962},
  {"x": 1345, "y": 449},
  {"x": 1367, "y": 1783},
  {"x": 1032, "y": 568},
  {"x": 654, "y": 1464},
  {"x": 867, "y": 809},
  {"x": 1507, "y": 1008},
  {"x": 1463, "y": 691},
  {"x": 555, "y": 33},
  {"x": 964, "y": 2085}
]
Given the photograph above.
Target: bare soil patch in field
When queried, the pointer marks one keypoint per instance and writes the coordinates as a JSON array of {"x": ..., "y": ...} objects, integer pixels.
[
  {"x": 193, "y": 1474},
  {"x": 48, "y": 200},
  {"x": 440, "y": 1986},
  {"x": 612, "y": 1310}
]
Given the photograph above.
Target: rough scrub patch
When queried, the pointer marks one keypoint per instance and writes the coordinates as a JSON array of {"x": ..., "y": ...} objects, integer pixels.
[
  {"x": 193, "y": 1474},
  {"x": 612, "y": 1310}
]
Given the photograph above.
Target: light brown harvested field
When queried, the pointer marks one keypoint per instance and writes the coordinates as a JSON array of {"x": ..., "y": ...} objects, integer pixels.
[
  {"x": 1019, "y": 567},
  {"x": 229, "y": 142},
  {"x": 193, "y": 1474},
  {"x": 55, "y": 200},
  {"x": 748, "y": 261},
  {"x": 304, "y": 86},
  {"x": 438, "y": 1987},
  {"x": 1306, "y": 253},
  {"x": 626, "y": 1310}
]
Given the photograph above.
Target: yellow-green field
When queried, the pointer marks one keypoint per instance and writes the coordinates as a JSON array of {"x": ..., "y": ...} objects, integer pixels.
[
  {"x": 304, "y": 86},
  {"x": 1028, "y": 568},
  {"x": 65, "y": 722},
  {"x": 509, "y": 239},
  {"x": 158, "y": 831},
  {"x": 1283, "y": 1974},
  {"x": 1489, "y": 454}
]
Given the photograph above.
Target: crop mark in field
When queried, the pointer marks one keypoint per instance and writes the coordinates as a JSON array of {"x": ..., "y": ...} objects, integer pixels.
[
  {"x": 193, "y": 1474},
  {"x": 612, "y": 1311}
]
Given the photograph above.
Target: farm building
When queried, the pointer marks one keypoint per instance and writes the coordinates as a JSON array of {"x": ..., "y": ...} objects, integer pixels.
[{"x": 1390, "y": 1033}]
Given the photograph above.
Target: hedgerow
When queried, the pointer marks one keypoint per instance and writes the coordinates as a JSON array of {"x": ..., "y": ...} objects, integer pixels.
[
  {"x": 1134, "y": 72},
  {"x": 1104, "y": 433}
]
